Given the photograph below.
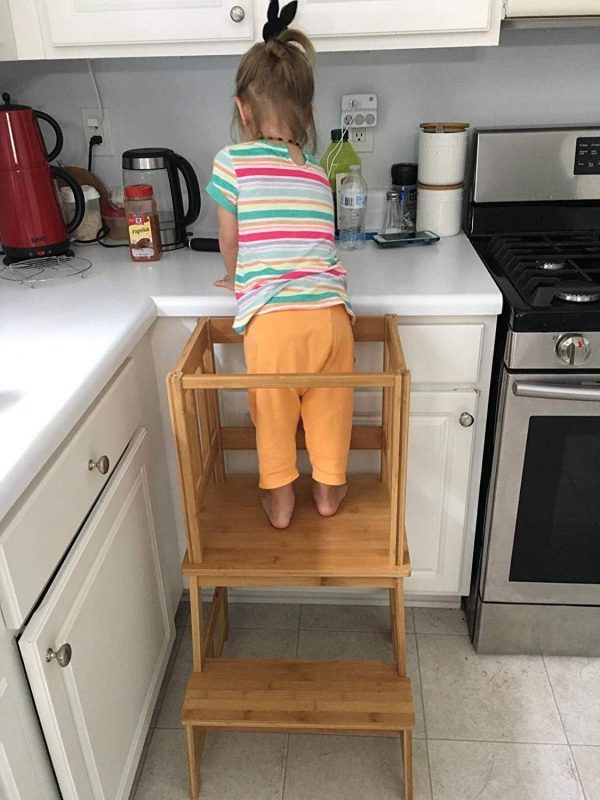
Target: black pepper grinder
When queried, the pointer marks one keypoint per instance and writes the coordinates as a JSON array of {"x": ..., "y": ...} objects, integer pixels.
[{"x": 404, "y": 181}]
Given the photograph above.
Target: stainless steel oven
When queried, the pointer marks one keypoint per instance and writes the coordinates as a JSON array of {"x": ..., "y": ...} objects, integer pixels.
[
  {"x": 543, "y": 523},
  {"x": 533, "y": 215}
]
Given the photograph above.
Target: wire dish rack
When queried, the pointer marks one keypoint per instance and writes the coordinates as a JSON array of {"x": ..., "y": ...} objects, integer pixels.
[{"x": 41, "y": 270}]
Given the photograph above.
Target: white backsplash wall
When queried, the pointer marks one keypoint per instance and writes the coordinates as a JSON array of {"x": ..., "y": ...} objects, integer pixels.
[{"x": 541, "y": 77}]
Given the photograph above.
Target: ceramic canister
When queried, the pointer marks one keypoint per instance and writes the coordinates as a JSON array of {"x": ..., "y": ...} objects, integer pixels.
[
  {"x": 442, "y": 153},
  {"x": 439, "y": 208}
]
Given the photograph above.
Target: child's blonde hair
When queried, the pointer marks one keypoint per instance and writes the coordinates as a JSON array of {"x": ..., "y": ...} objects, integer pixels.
[{"x": 275, "y": 78}]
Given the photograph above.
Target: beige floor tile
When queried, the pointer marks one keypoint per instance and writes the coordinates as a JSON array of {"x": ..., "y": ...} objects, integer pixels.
[
  {"x": 345, "y": 645},
  {"x": 502, "y": 771},
  {"x": 261, "y": 643},
  {"x": 264, "y": 615},
  {"x": 588, "y": 766},
  {"x": 483, "y": 697},
  {"x": 334, "y": 645},
  {"x": 235, "y": 766},
  {"x": 241, "y": 644},
  {"x": 350, "y": 618},
  {"x": 576, "y": 685},
  {"x": 440, "y": 620},
  {"x": 351, "y": 768}
]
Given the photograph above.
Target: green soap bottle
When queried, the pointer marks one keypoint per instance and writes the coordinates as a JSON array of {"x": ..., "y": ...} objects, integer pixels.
[{"x": 336, "y": 161}]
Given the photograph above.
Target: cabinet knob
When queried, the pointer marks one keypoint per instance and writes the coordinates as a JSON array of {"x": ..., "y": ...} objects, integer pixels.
[
  {"x": 102, "y": 465},
  {"x": 237, "y": 13},
  {"x": 466, "y": 419},
  {"x": 62, "y": 655}
]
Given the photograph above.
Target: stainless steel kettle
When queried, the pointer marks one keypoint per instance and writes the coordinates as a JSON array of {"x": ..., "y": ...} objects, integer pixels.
[{"x": 162, "y": 168}]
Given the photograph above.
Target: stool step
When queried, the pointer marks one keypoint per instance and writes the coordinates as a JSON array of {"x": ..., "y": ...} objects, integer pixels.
[
  {"x": 299, "y": 696},
  {"x": 238, "y": 540}
]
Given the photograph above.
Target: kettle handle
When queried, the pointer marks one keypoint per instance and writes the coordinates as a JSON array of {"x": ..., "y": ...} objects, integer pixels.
[
  {"x": 56, "y": 127},
  {"x": 193, "y": 189},
  {"x": 75, "y": 222}
]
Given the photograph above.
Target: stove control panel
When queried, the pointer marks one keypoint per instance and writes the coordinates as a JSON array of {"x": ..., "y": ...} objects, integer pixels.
[
  {"x": 587, "y": 155},
  {"x": 574, "y": 349}
]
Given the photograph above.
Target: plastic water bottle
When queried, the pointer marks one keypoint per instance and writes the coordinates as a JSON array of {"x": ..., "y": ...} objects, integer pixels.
[{"x": 353, "y": 209}]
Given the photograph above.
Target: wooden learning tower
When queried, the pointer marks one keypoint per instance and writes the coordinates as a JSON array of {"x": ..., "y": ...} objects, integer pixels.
[{"x": 230, "y": 543}]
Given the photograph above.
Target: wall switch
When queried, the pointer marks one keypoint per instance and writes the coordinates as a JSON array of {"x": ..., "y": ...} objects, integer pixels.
[
  {"x": 361, "y": 140},
  {"x": 92, "y": 126}
]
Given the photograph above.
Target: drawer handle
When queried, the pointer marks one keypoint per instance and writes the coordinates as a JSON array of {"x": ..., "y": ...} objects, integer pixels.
[
  {"x": 102, "y": 465},
  {"x": 466, "y": 419},
  {"x": 237, "y": 14},
  {"x": 62, "y": 655}
]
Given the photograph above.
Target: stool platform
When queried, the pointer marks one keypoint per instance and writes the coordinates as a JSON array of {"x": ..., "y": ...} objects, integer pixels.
[
  {"x": 239, "y": 541},
  {"x": 299, "y": 696}
]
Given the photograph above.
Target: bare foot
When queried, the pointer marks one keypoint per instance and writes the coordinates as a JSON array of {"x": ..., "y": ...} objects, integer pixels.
[
  {"x": 328, "y": 498},
  {"x": 278, "y": 505}
]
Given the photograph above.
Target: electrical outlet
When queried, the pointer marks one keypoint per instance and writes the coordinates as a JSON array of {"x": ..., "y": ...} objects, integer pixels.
[
  {"x": 92, "y": 126},
  {"x": 361, "y": 140}
]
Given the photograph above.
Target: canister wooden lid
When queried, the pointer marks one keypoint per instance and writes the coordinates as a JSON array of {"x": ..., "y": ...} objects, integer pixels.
[
  {"x": 444, "y": 127},
  {"x": 432, "y": 188}
]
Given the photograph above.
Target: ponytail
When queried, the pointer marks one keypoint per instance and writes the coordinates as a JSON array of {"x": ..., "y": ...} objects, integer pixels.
[{"x": 276, "y": 79}]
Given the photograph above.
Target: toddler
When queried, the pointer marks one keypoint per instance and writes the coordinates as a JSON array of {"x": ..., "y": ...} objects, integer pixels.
[{"x": 276, "y": 235}]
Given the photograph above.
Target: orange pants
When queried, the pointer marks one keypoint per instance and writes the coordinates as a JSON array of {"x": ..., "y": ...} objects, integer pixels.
[{"x": 316, "y": 341}]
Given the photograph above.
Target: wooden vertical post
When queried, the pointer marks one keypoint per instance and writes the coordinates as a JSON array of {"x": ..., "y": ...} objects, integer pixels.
[
  {"x": 195, "y": 738},
  {"x": 196, "y": 620},
  {"x": 399, "y": 625}
]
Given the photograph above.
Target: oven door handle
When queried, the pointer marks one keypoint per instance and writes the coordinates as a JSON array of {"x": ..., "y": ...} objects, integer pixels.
[{"x": 557, "y": 391}]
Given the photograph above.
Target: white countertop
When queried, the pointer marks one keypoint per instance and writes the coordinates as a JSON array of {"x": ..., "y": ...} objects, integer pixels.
[{"x": 62, "y": 341}]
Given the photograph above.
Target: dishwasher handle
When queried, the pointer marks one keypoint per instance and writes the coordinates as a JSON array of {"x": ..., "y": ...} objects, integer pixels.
[{"x": 557, "y": 391}]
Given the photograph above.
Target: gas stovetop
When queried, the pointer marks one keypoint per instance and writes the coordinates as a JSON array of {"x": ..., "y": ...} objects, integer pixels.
[{"x": 550, "y": 281}]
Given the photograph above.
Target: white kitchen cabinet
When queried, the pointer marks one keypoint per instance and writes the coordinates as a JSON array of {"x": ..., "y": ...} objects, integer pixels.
[
  {"x": 74, "y": 28},
  {"x": 412, "y": 24},
  {"x": 18, "y": 774},
  {"x": 124, "y": 28},
  {"x": 8, "y": 49},
  {"x": 108, "y": 604},
  {"x": 439, "y": 471}
]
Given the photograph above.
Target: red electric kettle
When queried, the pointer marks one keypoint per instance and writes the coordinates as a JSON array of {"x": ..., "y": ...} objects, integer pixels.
[{"x": 31, "y": 220}]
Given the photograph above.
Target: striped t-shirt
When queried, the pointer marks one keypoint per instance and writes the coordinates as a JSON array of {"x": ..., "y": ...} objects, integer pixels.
[{"x": 286, "y": 251}]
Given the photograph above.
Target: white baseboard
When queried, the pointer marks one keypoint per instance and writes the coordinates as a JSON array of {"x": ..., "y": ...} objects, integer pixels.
[{"x": 359, "y": 597}]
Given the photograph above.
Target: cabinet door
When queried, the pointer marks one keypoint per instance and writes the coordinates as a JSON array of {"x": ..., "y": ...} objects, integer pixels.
[
  {"x": 97, "y": 22},
  {"x": 108, "y": 603},
  {"x": 439, "y": 466},
  {"x": 7, "y": 39},
  {"x": 18, "y": 776},
  {"x": 359, "y": 18}
]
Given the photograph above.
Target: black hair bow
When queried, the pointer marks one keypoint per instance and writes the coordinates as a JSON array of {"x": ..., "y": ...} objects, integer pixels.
[{"x": 276, "y": 23}]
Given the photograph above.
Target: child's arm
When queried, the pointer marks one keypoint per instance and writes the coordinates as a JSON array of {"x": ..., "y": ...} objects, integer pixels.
[{"x": 228, "y": 244}]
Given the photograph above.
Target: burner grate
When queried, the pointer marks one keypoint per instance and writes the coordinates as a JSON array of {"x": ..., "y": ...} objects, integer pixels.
[{"x": 550, "y": 270}]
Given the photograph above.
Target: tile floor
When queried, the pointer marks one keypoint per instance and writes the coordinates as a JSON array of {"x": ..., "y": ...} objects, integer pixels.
[{"x": 488, "y": 727}]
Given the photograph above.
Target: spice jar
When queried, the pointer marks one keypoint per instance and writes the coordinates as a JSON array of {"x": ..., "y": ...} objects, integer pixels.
[{"x": 142, "y": 223}]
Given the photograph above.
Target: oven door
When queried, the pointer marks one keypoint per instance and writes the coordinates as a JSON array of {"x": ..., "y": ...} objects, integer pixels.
[{"x": 543, "y": 517}]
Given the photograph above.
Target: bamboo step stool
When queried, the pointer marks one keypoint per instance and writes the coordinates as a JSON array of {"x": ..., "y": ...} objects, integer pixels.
[{"x": 230, "y": 543}]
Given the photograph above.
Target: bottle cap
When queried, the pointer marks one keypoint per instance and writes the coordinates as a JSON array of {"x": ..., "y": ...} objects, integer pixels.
[
  {"x": 404, "y": 174},
  {"x": 138, "y": 190},
  {"x": 336, "y": 135}
]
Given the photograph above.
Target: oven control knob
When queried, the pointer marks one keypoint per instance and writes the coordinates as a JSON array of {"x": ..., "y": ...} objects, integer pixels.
[{"x": 573, "y": 349}]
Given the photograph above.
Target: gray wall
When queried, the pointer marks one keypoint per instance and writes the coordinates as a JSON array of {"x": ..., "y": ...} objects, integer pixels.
[{"x": 550, "y": 76}]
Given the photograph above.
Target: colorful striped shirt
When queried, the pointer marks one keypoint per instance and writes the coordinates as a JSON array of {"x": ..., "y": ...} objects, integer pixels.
[{"x": 286, "y": 250}]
